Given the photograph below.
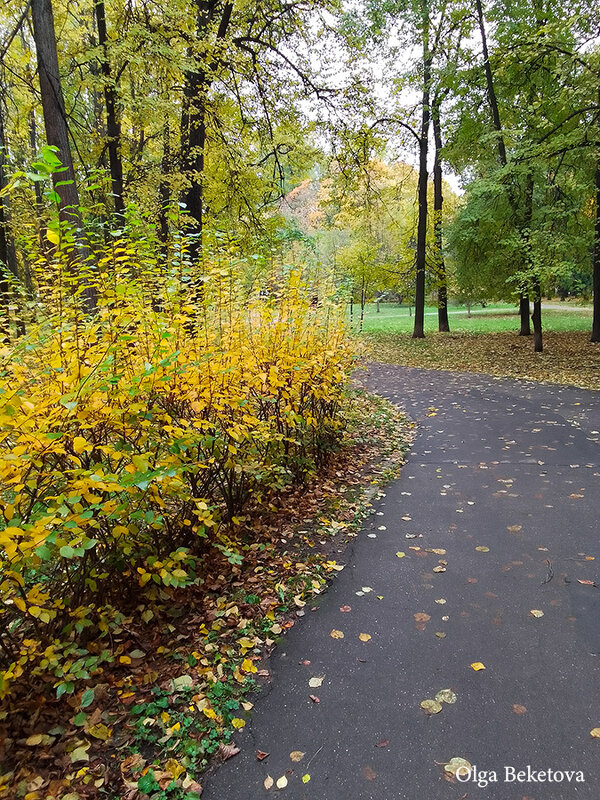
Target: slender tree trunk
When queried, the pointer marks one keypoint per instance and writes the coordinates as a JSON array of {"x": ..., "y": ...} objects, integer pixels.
[
  {"x": 193, "y": 139},
  {"x": 418, "y": 330},
  {"x": 55, "y": 122},
  {"x": 524, "y": 314},
  {"x": 113, "y": 123},
  {"x": 536, "y": 317},
  {"x": 491, "y": 91},
  {"x": 525, "y": 329},
  {"x": 596, "y": 260},
  {"x": 8, "y": 255},
  {"x": 438, "y": 210},
  {"x": 193, "y": 120},
  {"x": 164, "y": 191},
  {"x": 363, "y": 295}
]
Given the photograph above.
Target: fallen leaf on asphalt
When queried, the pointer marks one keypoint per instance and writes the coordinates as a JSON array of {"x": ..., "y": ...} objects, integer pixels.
[
  {"x": 446, "y": 696},
  {"x": 482, "y": 549},
  {"x": 440, "y": 635},
  {"x": 314, "y": 698},
  {"x": 364, "y": 637},
  {"x": 455, "y": 764},
  {"x": 439, "y": 568},
  {"x": 518, "y": 709},
  {"x": 477, "y": 666},
  {"x": 315, "y": 682},
  {"x": 400, "y": 554},
  {"x": 439, "y": 551},
  {"x": 296, "y": 755},
  {"x": 382, "y": 528},
  {"x": 268, "y": 784},
  {"x": 369, "y": 774},
  {"x": 431, "y": 706},
  {"x": 238, "y": 723},
  {"x": 410, "y": 535},
  {"x": 407, "y": 518},
  {"x": 305, "y": 778},
  {"x": 514, "y": 528},
  {"x": 595, "y": 732},
  {"x": 440, "y": 601},
  {"x": 535, "y": 612},
  {"x": 225, "y": 751},
  {"x": 281, "y": 782},
  {"x": 585, "y": 582},
  {"x": 382, "y": 743},
  {"x": 367, "y": 589},
  {"x": 336, "y": 634},
  {"x": 420, "y": 616},
  {"x": 345, "y": 609},
  {"x": 247, "y": 706},
  {"x": 261, "y": 755}
]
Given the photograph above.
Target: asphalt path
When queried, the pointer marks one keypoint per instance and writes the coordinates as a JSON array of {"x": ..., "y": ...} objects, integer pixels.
[{"x": 504, "y": 478}]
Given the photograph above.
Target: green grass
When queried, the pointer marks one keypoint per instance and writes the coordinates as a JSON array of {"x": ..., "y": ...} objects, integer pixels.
[{"x": 495, "y": 318}]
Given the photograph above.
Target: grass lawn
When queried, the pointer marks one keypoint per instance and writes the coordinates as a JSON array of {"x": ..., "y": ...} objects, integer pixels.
[
  {"x": 494, "y": 318},
  {"x": 488, "y": 342}
]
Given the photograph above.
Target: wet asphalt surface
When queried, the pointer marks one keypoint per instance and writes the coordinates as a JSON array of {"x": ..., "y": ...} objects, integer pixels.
[{"x": 505, "y": 465}]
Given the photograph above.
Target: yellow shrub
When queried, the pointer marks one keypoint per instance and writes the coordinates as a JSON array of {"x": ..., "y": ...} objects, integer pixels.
[{"x": 130, "y": 440}]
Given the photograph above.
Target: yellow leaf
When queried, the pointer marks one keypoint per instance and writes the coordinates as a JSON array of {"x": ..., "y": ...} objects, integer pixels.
[
  {"x": 482, "y": 549},
  {"x": 99, "y": 731},
  {"x": 238, "y": 723},
  {"x": 364, "y": 637},
  {"x": 52, "y": 236},
  {"x": 248, "y": 666},
  {"x": 535, "y": 612},
  {"x": 79, "y": 444},
  {"x": 336, "y": 634},
  {"x": 209, "y": 712},
  {"x": 477, "y": 666},
  {"x": 305, "y": 778},
  {"x": 400, "y": 554},
  {"x": 124, "y": 660},
  {"x": 431, "y": 706},
  {"x": 595, "y": 732}
]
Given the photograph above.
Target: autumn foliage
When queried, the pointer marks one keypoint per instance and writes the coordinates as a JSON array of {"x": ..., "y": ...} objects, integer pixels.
[{"x": 136, "y": 438}]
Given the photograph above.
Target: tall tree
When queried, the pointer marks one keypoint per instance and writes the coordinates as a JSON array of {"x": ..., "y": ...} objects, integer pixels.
[{"x": 113, "y": 123}]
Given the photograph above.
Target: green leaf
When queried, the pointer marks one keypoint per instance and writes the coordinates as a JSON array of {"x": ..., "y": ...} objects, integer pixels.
[
  {"x": 79, "y": 719},
  {"x": 147, "y": 783},
  {"x": 87, "y": 698},
  {"x": 66, "y": 551}
]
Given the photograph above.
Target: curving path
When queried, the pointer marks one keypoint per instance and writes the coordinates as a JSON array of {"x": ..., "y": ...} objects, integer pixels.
[{"x": 505, "y": 465}]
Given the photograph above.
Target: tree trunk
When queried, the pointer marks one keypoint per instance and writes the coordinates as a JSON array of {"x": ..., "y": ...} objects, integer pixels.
[
  {"x": 596, "y": 260},
  {"x": 8, "y": 255},
  {"x": 363, "y": 296},
  {"x": 524, "y": 314},
  {"x": 113, "y": 124},
  {"x": 491, "y": 92},
  {"x": 57, "y": 135},
  {"x": 536, "y": 317},
  {"x": 193, "y": 119},
  {"x": 537, "y": 320},
  {"x": 418, "y": 330},
  {"x": 438, "y": 209}
]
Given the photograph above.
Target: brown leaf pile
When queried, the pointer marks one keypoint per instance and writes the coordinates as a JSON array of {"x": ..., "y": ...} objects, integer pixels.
[{"x": 568, "y": 358}]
